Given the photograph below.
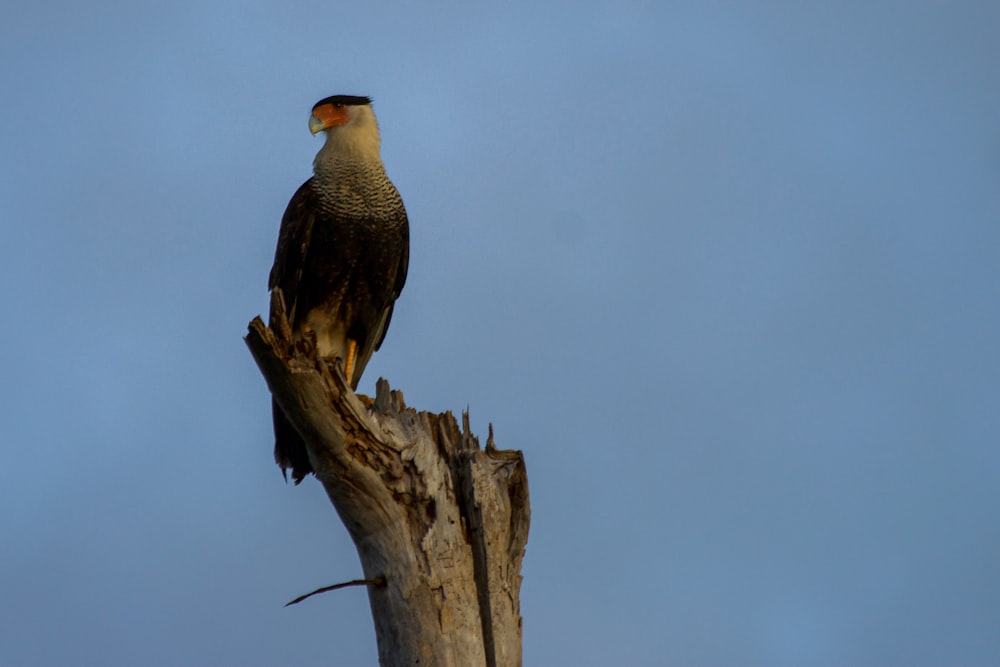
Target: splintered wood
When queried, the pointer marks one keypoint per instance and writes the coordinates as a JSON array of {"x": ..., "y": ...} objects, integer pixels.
[{"x": 441, "y": 521}]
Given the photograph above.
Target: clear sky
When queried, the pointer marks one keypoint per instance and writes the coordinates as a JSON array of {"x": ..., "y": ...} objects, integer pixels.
[{"x": 727, "y": 273}]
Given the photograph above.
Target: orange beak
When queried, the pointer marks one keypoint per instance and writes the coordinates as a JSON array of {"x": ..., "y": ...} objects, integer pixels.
[{"x": 326, "y": 116}]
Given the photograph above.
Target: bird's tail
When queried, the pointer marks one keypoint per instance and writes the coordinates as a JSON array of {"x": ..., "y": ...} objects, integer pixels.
[{"x": 289, "y": 448}]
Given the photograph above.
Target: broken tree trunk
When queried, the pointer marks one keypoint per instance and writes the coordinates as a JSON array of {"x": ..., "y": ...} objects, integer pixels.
[{"x": 440, "y": 523}]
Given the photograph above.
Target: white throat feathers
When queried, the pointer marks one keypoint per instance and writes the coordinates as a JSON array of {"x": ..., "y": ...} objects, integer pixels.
[{"x": 355, "y": 142}]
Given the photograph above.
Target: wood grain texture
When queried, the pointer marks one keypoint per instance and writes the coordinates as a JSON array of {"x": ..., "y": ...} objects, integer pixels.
[{"x": 443, "y": 521}]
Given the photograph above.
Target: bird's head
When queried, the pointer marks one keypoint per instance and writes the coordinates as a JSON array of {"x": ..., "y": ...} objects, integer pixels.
[{"x": 349, "y": 123}]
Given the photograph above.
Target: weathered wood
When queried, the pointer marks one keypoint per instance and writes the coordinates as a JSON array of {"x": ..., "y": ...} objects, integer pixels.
[{"x": 441, "y": 520}]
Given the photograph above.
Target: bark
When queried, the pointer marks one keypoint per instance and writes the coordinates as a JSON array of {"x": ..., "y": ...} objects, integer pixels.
[{"x": 443, "y": 522}]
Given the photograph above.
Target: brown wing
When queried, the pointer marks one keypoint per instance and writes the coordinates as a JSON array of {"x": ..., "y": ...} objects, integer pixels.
[
  {"x": 293, "y": 244},
  {"x": 397, "y": 289},
  {"x": 289, "y": 260}
]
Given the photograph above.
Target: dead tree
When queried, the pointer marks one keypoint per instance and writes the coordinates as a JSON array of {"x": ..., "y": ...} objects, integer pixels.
[{"x": 440, "y": 525}]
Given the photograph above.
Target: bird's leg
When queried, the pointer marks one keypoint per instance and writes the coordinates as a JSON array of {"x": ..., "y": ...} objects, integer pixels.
[{"x": 352, "y": 355}]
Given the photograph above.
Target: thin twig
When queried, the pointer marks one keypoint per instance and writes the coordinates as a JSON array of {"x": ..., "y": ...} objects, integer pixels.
[{"x": 377, "y": 581}]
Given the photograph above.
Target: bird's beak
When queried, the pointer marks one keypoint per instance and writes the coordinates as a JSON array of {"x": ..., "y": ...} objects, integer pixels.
[
  {"x": 326, "y": 116},
  {"x": 315, "y": 124}
]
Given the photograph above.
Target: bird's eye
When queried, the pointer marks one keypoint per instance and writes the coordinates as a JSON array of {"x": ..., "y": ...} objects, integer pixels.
[{"x": 338, "y": 106}]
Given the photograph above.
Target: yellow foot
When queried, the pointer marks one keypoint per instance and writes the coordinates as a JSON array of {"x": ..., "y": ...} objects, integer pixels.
[{"x": 352, "y": 355}]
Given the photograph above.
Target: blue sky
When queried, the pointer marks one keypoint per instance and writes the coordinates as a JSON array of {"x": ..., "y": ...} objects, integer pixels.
[{"x": 727, "y": 273}]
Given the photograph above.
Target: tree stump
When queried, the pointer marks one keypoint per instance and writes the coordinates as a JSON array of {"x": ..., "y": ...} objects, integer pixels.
[{"x": 440, "y": 523}]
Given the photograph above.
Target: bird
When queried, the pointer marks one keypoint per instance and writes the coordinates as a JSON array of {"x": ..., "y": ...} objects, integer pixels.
[{"x": 342, "y": 254}]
